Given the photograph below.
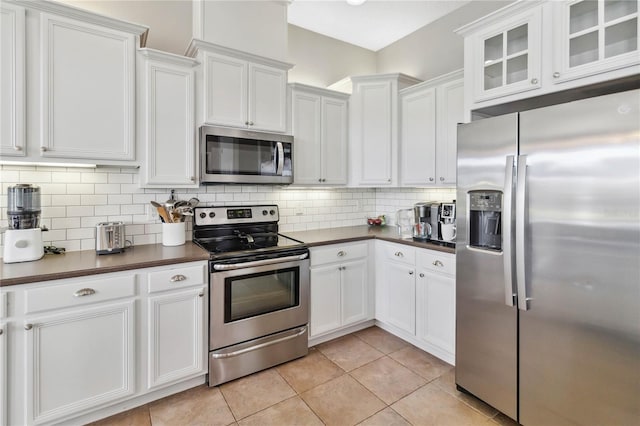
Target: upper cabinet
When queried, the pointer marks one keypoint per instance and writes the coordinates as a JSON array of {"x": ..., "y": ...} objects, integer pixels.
[
  {"x": 509, "y": 57},
  {"x": 12, "y": 86},
  {"x": 238, "y": 89},
  {"x": 78, "y": 72},
  {"x": 594, "y": 36},
  {"x": 166, "y": 120},
  {"x": 373, "y": 128},
  {"x": 319, "y": 126}
]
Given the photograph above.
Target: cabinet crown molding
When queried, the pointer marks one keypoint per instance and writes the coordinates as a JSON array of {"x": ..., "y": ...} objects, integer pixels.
[
  {"x": 445, "y": 78},
  {"x": 402, "y": 78},
  {"x": 318, "y": 90},
  {"x": 86, "y": 16},
  {"x": 498, "y": 15},
  {"x": 167, "y": 57},
  {"x": 196, "y": 45}
]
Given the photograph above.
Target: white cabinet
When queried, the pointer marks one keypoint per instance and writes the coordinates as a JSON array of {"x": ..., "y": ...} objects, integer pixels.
[
  {"x": 3, "y": 373},
  {"x": 593, "y": 37},
  {"x": 88, "y": 90},
  {"x": 340, "y": 293},
  {"x": 239, "y": 89},
  {"x": 532, "y": 48},
  {"x": 436, "y": 300},
  {"x": 415, "y": 296},
  {"x": 176, "y": 316},
  {"x": 78, "y": 360},
  {"x": 166, "y": 123},
  {"x": 319, "y": 126},
  {"x": 373, "y": 129},
  {"x": 12, "y": 80},
  {"x": 429, "y": 115}
]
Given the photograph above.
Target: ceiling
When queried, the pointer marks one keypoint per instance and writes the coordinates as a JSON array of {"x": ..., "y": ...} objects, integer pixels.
[{"x": 372, "y": 25}]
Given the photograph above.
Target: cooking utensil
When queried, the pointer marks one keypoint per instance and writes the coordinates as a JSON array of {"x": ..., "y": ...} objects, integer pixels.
[{"x": 162, "y": 211}]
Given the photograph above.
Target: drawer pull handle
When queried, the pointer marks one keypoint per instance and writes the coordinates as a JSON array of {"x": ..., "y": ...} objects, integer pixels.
[
  {"x": 341, "y": 253},
  {"x": 84, "y": 292},
  {"x": 438, "y": 263},
  {"x": 399, "y": 254},
  {"x": 28, "y": 326},
  {"x": 177, "y": 278}
]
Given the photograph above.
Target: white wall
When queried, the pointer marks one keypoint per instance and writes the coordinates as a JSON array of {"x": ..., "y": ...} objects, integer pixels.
[
  {"x": 434, "y": 49},
  {"x": 74, "y": 200},
  {"x": 321, "y": 61}
]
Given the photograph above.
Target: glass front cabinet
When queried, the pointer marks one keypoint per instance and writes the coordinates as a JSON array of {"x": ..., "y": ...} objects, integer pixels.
[{"x": 594, "y": 36}]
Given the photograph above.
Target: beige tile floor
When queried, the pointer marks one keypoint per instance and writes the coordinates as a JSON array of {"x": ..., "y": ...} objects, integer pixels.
[{"x": 367, "y": 378}]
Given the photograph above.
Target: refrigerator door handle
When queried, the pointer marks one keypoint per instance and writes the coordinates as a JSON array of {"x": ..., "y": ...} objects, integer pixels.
[
  {"x": 521, "y": 221},
  {"x": 507, "y": 224}
]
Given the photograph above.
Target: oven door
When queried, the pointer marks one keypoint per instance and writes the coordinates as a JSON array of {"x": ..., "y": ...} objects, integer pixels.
[{"x": 254, "y": 299}]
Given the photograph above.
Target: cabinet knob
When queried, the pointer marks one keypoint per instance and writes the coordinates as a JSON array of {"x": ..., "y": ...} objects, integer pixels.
[
  {"x": 201, "y": 294},
  {"x": 556, "y": 74},
  {"x": 341, "y": 253},
  {"x": 388, "y": 180},
  {"x": 251, "y": 123},
  {"x": 193, "y": 178},
  {"x": 441, "y": 179},
  {"x": 410, "y": 272},
  {"x": 43, "y": 148},
  {"x": 28, "y": 326},
  {"x": 324, "y": 180},
  {"x": 17, "y": 148},
  {"x": 437, "y": 263},
  {"x": 421, "y": 275},
  {"x": 246, "y": 123},
  {"x": 1, "y": 332},
  {"x": 398, "y": 254},
  {"x": 177, "y": 278},
  {"x": 534, "y": 81},
  {"x": 84, "y": 292},
  {"x": 319, "y": 180},
  {"x": 430, "y": 179}
]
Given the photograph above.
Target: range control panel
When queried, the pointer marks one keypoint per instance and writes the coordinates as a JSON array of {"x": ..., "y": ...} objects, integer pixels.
[{"x": 204, "y": 216}]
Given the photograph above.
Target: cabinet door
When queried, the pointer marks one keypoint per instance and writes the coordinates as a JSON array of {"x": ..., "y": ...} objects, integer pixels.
[
  {"x": 88, "y": 90},
  {"x": 436, "y": 310},
  {"x": 374, "y": 139},
  {"x": 267, "y": 98},
  {"x": 307, "y": 133},
  {"x": 507, "y": 56},
  {"x": 79, "y": 361},
  {"x": 333, "y": 154},
  {"x": 593, "y": 37},
  {"x": 401, "y": 296},
  {"x": 225, "y": 91},
  {"x": 418, "y": 137},
  {"x": 169, "y": 129},
  {"x": 176, "y": 337},
  {"x": 12, "y": 75},
  {"x": 355, "y": 294},
  {"x": 325, "y": 299},
  {"x": 3, "y": 373},
  {"x": 450, "y": 113}
]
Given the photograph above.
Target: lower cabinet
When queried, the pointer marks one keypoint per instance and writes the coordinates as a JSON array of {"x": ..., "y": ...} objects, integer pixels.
[
  {"x": 340, "y": 294},
  {"x": 415, "y": 296},
  {"x": 80, "y": 345}
]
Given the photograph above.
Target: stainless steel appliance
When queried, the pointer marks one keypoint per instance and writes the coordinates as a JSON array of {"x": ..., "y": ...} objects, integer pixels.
[
  {"x": 548, "y": 294},
  {"x": 23, "y": 238},
  {"x": 244, "y": 156},
  {"x": 110, "y": 237},
  {"x": 258, "y": 290}
]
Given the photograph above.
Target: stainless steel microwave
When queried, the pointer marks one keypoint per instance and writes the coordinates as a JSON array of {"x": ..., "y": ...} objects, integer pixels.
[{"x": 243, "y": 156}]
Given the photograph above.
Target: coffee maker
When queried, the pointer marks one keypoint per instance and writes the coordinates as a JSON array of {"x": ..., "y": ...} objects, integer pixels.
[
  {"x": 423, "y": 212},
  {"x": 23, "y": 238}
]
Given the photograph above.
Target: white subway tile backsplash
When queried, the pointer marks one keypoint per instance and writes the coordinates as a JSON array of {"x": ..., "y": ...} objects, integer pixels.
[
  {"x": 120, "y": 178},
  {"x": 93, "y": 200},
  {"x": 107, "y": 210},
  {"x": 65, "y": 223},
  {"x": 91, "y": 177},
  {"x": 81, "y": 188},
  {"x": 81, "y": 233},
  {"x": 65, "y": 200},
  {"x": 80, "y": 211},
  {"x": 107, "y": 188}
]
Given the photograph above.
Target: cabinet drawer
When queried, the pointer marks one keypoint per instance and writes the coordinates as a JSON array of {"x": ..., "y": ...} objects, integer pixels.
[
  {"x": 437, "y": 262},
  {"x": 171, "y": 279},
  {"x": 338, "y": 253},
  {"x": 400, "y": 253},
  {"x": 78, "y": 293}
]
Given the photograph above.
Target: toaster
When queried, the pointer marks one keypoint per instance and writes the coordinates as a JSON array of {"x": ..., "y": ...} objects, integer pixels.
[{"x": 110, "y": 237}]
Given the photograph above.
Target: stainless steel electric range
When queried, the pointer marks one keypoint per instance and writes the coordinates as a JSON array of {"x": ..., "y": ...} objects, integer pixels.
[{"x": 258, "y": 290}]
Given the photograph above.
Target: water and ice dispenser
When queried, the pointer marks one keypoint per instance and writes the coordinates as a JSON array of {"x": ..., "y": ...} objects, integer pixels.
[{"x": 485, "y": 212}]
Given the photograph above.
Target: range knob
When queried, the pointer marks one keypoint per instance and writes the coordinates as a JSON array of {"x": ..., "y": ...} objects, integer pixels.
[
  {"x": 203, "y": 215},
  {"x": 272, "y": 212},
  {"x": 264, "y": 212},
  {"x": 212, "y": 215}
]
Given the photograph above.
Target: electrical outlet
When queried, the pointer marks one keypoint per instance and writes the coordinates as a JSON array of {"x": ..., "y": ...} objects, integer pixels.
[
  {"x": 298, "y": 211},
  {"x": 151, "y": 212}
]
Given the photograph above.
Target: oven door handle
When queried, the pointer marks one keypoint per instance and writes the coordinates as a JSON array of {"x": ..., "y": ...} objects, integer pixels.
[{"x": 228, "y": 267}]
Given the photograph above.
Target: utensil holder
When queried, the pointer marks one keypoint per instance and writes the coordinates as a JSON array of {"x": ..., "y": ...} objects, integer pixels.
[{"x": 173, "y": 234}]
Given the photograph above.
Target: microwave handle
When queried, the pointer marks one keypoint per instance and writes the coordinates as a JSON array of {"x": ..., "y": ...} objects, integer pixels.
[{"x": 279, "y": 158}]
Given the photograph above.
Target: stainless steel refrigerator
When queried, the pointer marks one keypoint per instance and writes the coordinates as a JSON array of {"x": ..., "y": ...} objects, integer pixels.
[{"x": 548, "y": 262}]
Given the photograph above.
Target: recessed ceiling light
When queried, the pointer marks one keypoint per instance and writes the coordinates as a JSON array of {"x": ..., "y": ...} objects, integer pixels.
[{"x": 355, "y": 2}]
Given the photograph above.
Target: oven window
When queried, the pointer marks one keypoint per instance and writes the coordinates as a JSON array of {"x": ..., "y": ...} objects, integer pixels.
[{"x": 256, "y": 294}]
